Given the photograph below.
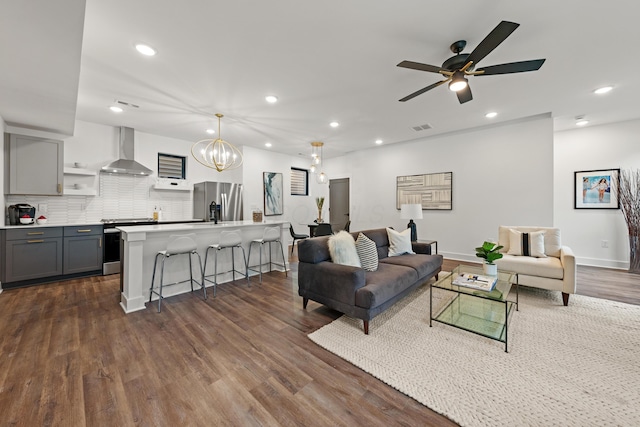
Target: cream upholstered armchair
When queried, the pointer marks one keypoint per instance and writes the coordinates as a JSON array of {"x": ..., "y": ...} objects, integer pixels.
[{"x": 537, "y": 255}]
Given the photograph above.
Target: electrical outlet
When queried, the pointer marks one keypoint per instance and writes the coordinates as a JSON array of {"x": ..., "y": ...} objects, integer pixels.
[{"x": 605, "y": 243}]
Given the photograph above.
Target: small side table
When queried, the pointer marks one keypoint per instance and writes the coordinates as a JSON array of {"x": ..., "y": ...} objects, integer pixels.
[{"x": 433, "y": 243}]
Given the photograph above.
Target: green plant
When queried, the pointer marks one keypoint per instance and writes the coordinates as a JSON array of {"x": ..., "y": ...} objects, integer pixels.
[
  {"x": 319, "y": 202},
  {"x": 489, "y": 252}
]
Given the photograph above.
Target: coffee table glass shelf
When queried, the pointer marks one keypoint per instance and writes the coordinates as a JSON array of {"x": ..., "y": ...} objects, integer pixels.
[{"x": 481, "y": 312}]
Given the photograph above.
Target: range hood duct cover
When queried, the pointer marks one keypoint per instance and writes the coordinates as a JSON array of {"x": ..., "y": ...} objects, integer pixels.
[{"x": 125, "y": 164}]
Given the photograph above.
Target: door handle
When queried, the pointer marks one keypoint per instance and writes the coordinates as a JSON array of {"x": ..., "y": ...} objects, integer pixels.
[
  {"x": 35, "y": 241},
  {"x": 100, "y": 243},
  {"x": 84, "y": 231},
  {"x": 59, "y": 188},
  {"x": 39, "y": 233}
]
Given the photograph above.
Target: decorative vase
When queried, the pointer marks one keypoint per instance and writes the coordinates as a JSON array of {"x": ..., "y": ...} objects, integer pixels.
[
  {"x": 319, "y": 215},
  {"x": 634, "y": 255},
  {"x": 490, "y": 269}
]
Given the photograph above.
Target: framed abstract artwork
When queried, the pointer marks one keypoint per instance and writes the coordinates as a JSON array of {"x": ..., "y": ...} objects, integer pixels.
[
  {"x": 433, "y": 190},
  {"x": 593, "y": 189},
  {"x": 273, "y": 193}
]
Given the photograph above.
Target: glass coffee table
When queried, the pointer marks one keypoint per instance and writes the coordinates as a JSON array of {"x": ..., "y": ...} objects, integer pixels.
[{"x": 481, "y": 312}]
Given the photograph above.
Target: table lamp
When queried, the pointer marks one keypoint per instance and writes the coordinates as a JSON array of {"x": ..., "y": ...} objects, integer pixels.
[{"x": 411, "y": 211}]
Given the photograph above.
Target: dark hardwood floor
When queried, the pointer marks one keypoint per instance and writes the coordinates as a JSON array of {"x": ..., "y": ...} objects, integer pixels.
[{"x": 69, "y": 356}]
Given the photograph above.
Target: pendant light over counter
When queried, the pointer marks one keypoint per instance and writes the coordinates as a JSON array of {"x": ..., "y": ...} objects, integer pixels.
[
  {"x": 217, "y": 153},
  {"x": 317, "y": 162}
]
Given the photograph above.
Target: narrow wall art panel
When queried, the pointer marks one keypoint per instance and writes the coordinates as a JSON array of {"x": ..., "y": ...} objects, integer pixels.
[
  {"x": 273, "y": 193},
  {"x": 433, "y": 190}
]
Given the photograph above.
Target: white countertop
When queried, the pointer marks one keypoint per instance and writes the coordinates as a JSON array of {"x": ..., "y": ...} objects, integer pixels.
[
  {"x": 82, "y": 224},
  {"x": 158, "y": 228}
]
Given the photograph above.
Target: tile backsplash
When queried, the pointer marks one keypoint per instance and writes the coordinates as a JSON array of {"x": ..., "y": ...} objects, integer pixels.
[{"x": 119, "y": 196}]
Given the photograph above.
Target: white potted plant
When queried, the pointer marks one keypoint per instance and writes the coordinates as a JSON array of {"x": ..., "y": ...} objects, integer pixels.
[{"x": 489, "y": 251}]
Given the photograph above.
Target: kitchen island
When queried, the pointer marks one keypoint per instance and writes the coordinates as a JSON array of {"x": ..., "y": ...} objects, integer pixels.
[{"x": 142, "y": 243}]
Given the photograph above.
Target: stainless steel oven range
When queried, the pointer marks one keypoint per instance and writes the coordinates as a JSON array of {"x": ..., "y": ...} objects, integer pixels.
[{"x": 112, "y": 247}]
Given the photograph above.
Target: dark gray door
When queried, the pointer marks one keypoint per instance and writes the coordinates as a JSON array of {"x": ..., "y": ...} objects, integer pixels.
[{"x": 338, "y": 203}]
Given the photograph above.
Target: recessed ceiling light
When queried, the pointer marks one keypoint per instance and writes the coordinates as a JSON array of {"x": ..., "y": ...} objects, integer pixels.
[
  {"x": 602, "y": 90},
  {"x": 271, "y": 99},
  {"x": 145, "y": 49},
  {"x": 267, "y": 144},
  {"x": 491, "y": 115},
  {"x": 334, "y": 124},
  {"x": 211, "y": 131},
  {"x": 378, "y": 141},
  {"x": 116, "y": 109},
  {"x": 581, "y": 121}
]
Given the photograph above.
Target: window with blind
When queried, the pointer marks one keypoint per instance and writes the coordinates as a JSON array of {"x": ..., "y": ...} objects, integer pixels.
[
  {"x": 171, "y": 166},
  {"x": 299, "y": 182}
]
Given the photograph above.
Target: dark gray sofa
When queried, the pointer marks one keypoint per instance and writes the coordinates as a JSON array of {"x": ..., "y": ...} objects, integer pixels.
[{"x": 354, "y": 291}]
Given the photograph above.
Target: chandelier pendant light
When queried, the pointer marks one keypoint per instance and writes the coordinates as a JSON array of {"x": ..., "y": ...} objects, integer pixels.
[
  {"x": 217, "y": 153},
  {"x": 316, "y": 162}
]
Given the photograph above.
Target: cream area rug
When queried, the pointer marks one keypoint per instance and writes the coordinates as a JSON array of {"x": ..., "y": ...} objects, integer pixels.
[{"x": 567, "y": 366}]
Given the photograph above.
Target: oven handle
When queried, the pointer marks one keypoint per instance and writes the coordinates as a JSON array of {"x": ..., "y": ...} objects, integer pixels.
[{"x": 111, "y": 230}]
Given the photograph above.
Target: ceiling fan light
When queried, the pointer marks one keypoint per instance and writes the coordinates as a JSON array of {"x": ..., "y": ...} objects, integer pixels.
[{"x": 458, "y": 84}]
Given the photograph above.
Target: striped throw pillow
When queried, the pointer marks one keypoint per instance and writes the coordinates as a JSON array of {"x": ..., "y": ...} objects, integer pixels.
[
  {"x": 526, "y": 244},
  {"x": 367, "y": 252}
]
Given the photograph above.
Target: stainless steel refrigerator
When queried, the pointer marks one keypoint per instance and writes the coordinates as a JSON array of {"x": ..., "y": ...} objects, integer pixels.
[{"x": 225, "y": 196}]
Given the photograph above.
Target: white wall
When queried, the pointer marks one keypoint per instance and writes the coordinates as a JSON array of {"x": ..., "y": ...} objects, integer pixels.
[
  {"x": 594, "y": 148},
  {"x": 502, "y": 175},
  {"x": 2, "y": 172},
  {"x": 299, "y": 210}
]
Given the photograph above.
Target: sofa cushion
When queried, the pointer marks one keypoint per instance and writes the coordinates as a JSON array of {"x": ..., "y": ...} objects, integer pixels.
[
  {"x": 399, "y": 242},
  {"x": 424, "y": 265},
  {"x": 550, "y": 267},
  {"x": 342, "y": 248},
  {"x": 526, "y": 244},
  {"x": 378, "y": 235},
  {"x": 367, "y": 252},
  {"x": 552, "y": 242},
  {"x": 314, "y": 250},
  {"x": 383, "y": 284}
]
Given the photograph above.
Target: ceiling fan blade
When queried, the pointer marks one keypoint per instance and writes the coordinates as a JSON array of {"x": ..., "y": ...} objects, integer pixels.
[
  {"x": 511, "y": 67},
  {"x": 419, "y": 66},
  {"x": 464, "y": 95},
  {"x": 423, "y": 90},
  {"x": 495, "y": 37}
]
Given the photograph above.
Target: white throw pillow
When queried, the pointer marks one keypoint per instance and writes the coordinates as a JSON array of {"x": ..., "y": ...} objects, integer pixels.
[
  {"x": 399, "y": 243},
  {"x": 526, "y": 244},
  {"x": 367, "y": 252},
  {"x": 342, "y": 248}
]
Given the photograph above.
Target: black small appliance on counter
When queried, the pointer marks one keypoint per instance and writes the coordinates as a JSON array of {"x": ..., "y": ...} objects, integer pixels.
[{"x": 18, "y": 211}]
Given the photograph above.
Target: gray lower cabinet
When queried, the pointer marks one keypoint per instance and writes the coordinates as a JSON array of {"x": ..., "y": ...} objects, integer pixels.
[
  {"x": 40, "y": 254},
  {"x": 33, "y": 165},
  {"x": 33, "y": 253},
  {"x": 82, "y": 249}
]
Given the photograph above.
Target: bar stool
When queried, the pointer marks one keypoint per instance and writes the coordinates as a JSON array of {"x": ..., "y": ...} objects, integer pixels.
[
  {"x": 228, "y": 240},
  {"x": 270, "y": 235},
  {"x": 178, "y": 244}
]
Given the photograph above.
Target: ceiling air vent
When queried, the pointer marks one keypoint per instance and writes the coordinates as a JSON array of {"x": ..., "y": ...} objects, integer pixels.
[
  {"x": 421, "y": 127},
  {"x": 127, "y": 104}
]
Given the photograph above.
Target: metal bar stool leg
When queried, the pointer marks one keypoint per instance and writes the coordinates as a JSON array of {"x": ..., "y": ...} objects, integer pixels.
[
  {"x": 153, "y": 277},
  {"x": 246, "y": 265},
  {"x": 161, "y": 282},
  {"x": 190, "y": 271},
  {"x": 284, "y": 262},
  {"x": 202, "y": 285}
]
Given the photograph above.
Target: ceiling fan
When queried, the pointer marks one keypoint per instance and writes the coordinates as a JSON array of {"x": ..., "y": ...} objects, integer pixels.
[{"x": 456, "y": 68}]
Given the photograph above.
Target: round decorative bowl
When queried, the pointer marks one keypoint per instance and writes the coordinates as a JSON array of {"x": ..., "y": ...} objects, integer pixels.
[
  {"x": 26, "y": 220},
  {"x": 41, "y": 221}
]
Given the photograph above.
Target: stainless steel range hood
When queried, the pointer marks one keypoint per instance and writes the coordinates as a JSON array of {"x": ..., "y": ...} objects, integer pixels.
[{"x": 126, "y": 164}]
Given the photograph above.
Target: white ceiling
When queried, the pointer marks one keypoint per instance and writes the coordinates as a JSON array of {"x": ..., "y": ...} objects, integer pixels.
[{"x": 325, "y": 60}]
